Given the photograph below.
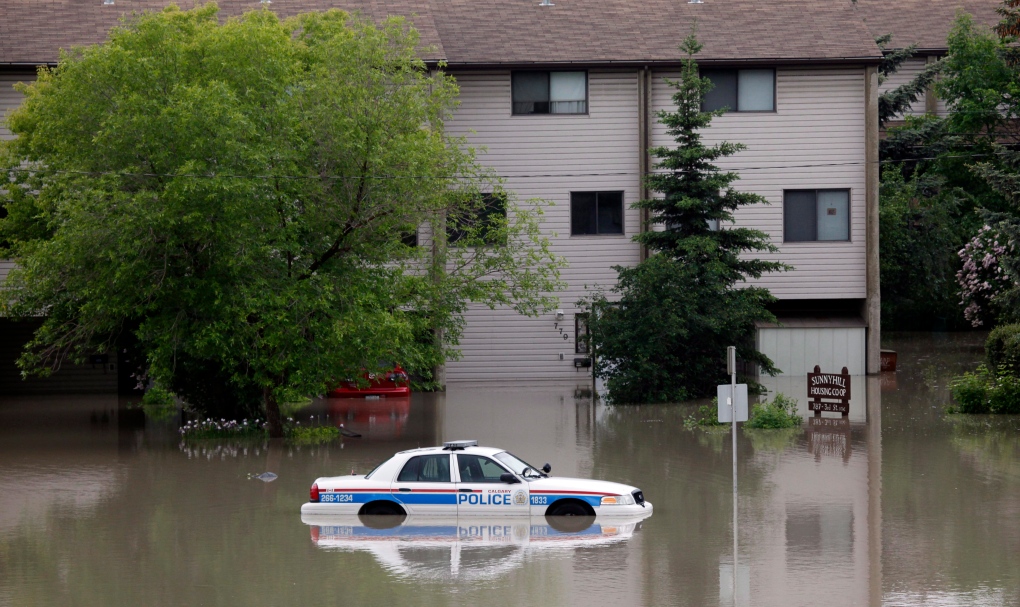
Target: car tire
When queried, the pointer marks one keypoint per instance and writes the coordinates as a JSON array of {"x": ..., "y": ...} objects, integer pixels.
[
  {"x": 382, "y": 508},
  {"x": 569, "y": 508}
]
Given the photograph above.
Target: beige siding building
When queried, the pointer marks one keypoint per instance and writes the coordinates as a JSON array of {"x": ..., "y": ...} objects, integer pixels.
[{"x": 563, "y": 99}]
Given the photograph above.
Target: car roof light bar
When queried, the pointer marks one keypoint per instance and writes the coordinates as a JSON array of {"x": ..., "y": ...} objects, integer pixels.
[{"x": 459, "y": 445}]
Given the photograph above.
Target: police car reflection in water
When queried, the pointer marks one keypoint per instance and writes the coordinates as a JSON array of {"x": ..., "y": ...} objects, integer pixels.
[
  {"x": 460, "y": 478},
  {"x": 462, "y": 548}
]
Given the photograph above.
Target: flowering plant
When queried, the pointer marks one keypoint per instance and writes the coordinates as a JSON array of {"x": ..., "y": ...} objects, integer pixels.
[{"x": 984, "y": 276}]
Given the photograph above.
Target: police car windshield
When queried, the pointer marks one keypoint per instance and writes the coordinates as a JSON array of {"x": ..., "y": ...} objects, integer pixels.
[{"x": 515, "y": 464}]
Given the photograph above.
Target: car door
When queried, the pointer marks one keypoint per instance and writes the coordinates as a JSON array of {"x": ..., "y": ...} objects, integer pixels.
[
  {"x": 425, "y": 486},
  {"x": 480, "y": 490}
]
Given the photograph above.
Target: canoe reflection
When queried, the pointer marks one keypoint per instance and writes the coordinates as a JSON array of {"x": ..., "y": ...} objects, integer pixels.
[{"x": 465, "y": 548}]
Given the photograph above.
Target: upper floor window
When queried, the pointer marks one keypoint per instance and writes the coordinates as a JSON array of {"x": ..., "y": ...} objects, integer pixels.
[
  {"x": 549, "y": 92},
  {"x": 596, "y": 213},
  {"x": 812, "y": 215},
  {"x": 741, "y": 90}
]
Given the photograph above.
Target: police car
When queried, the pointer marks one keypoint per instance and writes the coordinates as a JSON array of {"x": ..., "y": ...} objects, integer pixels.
[{"x": 464, "y": 479}]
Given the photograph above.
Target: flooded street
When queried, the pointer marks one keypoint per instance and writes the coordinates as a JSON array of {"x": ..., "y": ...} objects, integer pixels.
[{"x": 897, "y": 505}]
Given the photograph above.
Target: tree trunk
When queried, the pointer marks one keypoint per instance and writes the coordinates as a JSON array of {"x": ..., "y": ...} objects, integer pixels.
[{"x": 272, "y": 413}]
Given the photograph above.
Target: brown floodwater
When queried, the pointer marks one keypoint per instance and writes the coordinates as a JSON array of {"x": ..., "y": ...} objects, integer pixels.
[{"x": 897, "y": 505}]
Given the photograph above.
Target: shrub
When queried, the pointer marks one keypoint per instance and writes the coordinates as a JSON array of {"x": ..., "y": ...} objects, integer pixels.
[
  {"x": 707, "y": 416},
  {"x": 293, "y": 431},
  {"x": 1002, "y": 349},
  {"x": 311, "y": 435},
  {"x": 780, "y": 413},
  {"x": 211, "y": 428},
  {"x": 1004, "y": 397},
  {"x": 157, "y": 396},
  {"x": 970, "y": 391}
]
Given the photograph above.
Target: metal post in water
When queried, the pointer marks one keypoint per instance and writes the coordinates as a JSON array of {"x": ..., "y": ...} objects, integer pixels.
[{"x": 731, "y": 367}]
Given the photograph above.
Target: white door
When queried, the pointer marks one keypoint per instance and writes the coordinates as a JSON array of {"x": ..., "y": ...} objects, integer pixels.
[
  {"x": 480, "y": 490},
  {"x": 425, "y": 486}
]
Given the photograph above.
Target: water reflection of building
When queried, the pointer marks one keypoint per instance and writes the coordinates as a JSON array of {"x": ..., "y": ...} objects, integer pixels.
[
  {"x": 541, "y": 423},
  {"x": 828, "y": 506}
]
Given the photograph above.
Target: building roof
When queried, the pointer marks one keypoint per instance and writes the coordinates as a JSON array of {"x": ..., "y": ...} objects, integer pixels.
[
  {"x": 925, "y": 23},
  {"x": 510, "y": 32}
]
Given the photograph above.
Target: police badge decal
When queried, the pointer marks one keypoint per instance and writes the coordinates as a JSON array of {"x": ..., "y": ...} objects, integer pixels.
[{"x": 520, "y": 498}]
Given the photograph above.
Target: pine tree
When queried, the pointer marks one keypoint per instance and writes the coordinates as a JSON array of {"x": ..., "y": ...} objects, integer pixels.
[{"x": 665, "y": 338}]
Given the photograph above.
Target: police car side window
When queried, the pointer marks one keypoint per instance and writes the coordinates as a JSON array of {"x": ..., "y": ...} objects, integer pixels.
[
  {"x": 478, "y": 469},
  {"x": 426, "y": 469}
]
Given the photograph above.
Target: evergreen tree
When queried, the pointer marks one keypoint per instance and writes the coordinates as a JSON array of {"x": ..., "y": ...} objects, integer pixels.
[
  {"x": 665, "y": 338},
  {"x": 894, "y": 102}
]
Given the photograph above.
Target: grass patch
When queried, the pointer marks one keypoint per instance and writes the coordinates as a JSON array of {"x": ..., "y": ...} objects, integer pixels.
[{"x": 780, "y": 413}]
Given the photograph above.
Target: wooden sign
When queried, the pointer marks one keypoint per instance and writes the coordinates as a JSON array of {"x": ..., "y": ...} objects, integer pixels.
[{"x": 829, "y": 392}]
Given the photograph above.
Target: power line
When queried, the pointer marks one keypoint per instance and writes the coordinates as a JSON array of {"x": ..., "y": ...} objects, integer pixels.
[{"x": 723, "y": 169}]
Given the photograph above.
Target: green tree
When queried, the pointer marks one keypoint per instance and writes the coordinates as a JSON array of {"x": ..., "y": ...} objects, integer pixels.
[
  {"x": 927, "y": 199},
  {"x": 920, "y": 235},
  {"x": 661, "y": 334},
  {"x": 239, "y": 197},
  {"x": 982, "y": 87},
  {"x": 894, "y": 102}
]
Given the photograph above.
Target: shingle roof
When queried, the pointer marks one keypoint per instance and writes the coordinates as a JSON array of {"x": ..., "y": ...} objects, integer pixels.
[
  {"x": 485, "y": 32},
  {"x": 925, "y": 23},
  {"x": 32, "y": 31},
  {"x": 521, "y": 31}
]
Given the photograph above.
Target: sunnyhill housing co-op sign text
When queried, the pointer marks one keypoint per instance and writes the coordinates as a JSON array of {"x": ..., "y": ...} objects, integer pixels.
[{"x": 829, "y": 392}]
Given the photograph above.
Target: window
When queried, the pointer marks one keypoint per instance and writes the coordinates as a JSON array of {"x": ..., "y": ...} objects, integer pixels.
[
  {"x": 426, "y": 469},
  {"x": 812, "y": 215},
  {"x": 740, "y": 90},
  {"x": 409, "y": 238},
  {"x": 549, "y": 92},
  {"x": 580, "y": 333},
  {"x": 478, "y": 469},
  {"x": 596, "y": 213},
  {"x": 478, "y": 219}
]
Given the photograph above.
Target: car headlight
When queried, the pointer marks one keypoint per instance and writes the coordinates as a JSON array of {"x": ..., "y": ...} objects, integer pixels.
[{"x": 618, "y": 500}]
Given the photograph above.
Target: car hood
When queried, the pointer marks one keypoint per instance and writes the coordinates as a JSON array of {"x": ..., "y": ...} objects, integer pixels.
[{"x": 562, "y": 483}]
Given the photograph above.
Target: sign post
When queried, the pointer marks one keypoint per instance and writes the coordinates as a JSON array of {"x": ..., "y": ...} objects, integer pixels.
[
  {"x": 731, "y": 407},
  {"x": 731, "y": 367},
  {"x": 829, "y": 392}
]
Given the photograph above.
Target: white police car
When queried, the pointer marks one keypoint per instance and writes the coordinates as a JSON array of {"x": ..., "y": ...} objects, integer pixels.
[{"x": 464, "y": 479}]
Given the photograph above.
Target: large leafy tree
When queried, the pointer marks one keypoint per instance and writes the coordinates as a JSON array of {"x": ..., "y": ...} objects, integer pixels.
[
  {"x": 239, "y": 197},
  {"x": 982, "y": 88},
  {"x": 661, "y": 334}
]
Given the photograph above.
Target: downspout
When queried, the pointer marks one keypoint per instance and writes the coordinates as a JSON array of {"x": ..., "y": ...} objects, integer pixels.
[
  {"x": 873, "y": 301},
  {"x": 644, "y": 82},
  {"x": 437, "y": 273},
  {"x": 931, "y": 101}
]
